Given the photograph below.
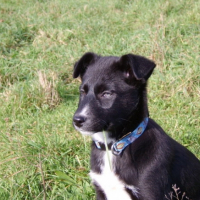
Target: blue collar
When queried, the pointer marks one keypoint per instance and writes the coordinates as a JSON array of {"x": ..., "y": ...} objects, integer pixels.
[{"x": 121, "y": 144}]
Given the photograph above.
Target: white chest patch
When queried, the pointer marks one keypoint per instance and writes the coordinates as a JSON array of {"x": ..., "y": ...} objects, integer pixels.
[{"x": 109, "y": 182}]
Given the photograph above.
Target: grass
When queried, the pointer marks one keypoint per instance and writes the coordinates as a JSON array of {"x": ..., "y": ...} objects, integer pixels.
[{"x": 42, "y": 156}]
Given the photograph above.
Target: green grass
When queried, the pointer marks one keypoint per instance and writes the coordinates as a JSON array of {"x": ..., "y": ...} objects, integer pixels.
[{"x": 42, "y": 156}]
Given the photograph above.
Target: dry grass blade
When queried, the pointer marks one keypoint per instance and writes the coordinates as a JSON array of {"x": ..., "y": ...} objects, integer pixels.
[
  {"x": 49, "y": 89},
  {"x": 176, "y": 194}
]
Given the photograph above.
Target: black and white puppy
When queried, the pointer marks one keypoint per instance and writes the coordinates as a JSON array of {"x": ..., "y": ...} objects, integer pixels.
[{"x": 140, "y": 161}]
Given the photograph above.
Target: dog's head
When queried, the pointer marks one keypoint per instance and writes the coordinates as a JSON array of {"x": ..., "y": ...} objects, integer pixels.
[{"x": 112, "y": 93}]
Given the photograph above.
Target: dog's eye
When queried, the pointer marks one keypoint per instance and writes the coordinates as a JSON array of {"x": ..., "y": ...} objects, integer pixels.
[
  {"x": 106, "y": 94},
  {"x": 82, "y": 92}
]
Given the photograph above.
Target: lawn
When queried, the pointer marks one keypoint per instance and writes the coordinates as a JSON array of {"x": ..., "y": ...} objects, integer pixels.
[{"x": 42, "y": 156}]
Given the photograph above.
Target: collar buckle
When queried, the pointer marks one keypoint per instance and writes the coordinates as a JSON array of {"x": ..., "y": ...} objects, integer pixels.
[{"x": 114, "y": 151}]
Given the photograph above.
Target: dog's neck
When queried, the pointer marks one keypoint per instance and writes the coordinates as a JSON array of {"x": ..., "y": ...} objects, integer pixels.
[
  {"x": 135, "y": 118},
  {"x": 103, "y": 137},
  {"x": 104, "y": 142}
]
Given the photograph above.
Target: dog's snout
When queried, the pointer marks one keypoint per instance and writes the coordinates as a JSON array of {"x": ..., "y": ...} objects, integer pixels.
[{"x": 79, "y": 120}]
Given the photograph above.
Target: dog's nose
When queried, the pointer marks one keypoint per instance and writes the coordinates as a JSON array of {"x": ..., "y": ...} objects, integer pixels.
[{"x": 79, "y": 120}]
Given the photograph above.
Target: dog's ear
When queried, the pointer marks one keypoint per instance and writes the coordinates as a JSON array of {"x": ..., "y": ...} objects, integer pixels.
[
  {"x": 82, "y": 64},
  {"x": 136, "y": 66}
]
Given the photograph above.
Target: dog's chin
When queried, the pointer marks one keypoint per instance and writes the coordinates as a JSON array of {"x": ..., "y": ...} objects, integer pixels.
[
  {"x": 88, "y": 133},
  {"x": 97, "y": 135},
  {"x": 83, "y": 132}
]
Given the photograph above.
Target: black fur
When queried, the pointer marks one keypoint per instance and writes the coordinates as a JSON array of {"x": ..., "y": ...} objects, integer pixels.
[{"x": 114, "y": 90}]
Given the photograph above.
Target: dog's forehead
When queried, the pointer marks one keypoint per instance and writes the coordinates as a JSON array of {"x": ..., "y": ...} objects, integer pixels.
[{"x": 101, "y": 70}]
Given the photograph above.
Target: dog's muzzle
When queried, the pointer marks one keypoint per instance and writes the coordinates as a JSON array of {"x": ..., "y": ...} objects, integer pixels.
[{"x": 79, "y": 120}]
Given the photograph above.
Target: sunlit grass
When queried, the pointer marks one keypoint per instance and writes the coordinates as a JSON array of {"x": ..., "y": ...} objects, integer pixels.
[{"x": 42, "y": 156}]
